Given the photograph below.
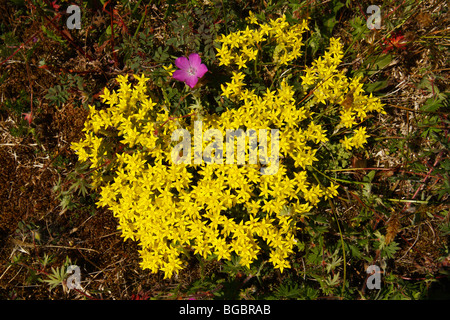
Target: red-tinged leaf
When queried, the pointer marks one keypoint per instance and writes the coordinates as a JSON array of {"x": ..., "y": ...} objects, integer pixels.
[
  {"x": 28, "y": 117},
  {"x": 55, "y": 6}
]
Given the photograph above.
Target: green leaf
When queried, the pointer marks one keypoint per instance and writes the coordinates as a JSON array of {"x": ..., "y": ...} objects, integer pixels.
[
  {"x": 432, "y": 104},
  {"x": 288, "y": 291},
  {"x": 49, "y": 33},
  {"x": 375, "y": 86},
  {"x": 380, "y": 64},
  {"x": 359, "y": 27},
  {"x": 390, "y": 250},
  {"x": 355, "y": 251},
  {"x": 369, "y": 177},
  {"x": 335, "y": 261},
  {"x": 56, "y": 278},
  {"x": 333, "y": 281},
  {"x": 330, "y": 23}
]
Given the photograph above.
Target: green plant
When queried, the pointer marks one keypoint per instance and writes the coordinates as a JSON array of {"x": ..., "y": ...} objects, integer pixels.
[
  {"x": 288, "y": 291},
  {"x": 77, "y": 182},
  {"x": 56, "y": 278},
  {"x": 58, "y": 275},
  {"x": 58, "y": 95}
]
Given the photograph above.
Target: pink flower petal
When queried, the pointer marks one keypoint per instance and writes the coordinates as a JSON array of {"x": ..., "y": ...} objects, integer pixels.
[
  {"x": 182, "y": 63},
  {"x": 201, "y": 70},
  {"x": 195, "y": 60},
  {"x": 191, "y": 81},
  {"x": 180, "y": 75}
]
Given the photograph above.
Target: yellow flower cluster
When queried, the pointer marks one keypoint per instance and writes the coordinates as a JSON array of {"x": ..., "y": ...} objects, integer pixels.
[
  {"x": 219, "y": 209},
  {"x": 160, "y": 204},
  {"x": 331, "y": 86},
  {"x": 241, "y": 47}
]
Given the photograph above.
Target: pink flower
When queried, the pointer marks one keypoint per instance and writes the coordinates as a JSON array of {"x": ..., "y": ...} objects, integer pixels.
[
  {"x": 28, "y": 116},
  {"x": 191, "y": 69}
]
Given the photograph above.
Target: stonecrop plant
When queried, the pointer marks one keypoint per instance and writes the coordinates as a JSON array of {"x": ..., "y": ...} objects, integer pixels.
[{"x": 221, "y": 208}]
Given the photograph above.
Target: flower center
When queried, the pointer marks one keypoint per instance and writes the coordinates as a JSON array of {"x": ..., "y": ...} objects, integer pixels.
[{"x": 192, "y": 71}]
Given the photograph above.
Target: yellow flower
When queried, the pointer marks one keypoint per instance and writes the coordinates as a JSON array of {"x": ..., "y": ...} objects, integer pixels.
[
  {"x": 360, "y": 137},
  {"x": 241, "y": 62},
  {"x": 169, "y": 69},
  {"x": 331, "y": 191},
  {"x": 226, "y": 90},
  {"x": 347, "y": 143},
  {"x": 252, "y": 18}
]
